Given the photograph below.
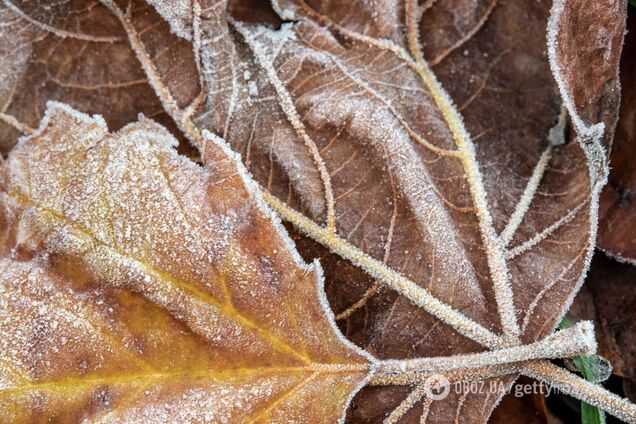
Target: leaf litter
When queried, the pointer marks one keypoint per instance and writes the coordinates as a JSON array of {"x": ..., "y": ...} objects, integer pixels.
[{"x": 209, "y": 29}]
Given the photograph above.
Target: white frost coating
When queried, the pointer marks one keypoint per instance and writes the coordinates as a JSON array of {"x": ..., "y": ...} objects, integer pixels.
[
  {"x": 125, "y": 154},
  {"x": 589, "y": 138},
  {"x": 414, "y": 182},
  {"x": 418, "y": 295},
  {"x": 411, "y": 175},
  {"x": 494, "y": 246},
  {"x": 322, "y": 296},
  {"x": 576, "y": 340},
  {"x": 288, "y": 13},
  {"x": 617, "y": 257},
  {"x": 539, "y": 296},
  {"x": 226, "y": 89},
  {"x": 52, "y": 107},
  {"x": 525, "y": 246},
  {"x": 15, "y": 49},
  {"x": 581, "y": 389},
  {"x": 526, "y": 198},
  {"x": 178, "y": 13},
  {"x": 564, "y": 89},
  {"x": 492, "y": 243},
  {"x": 415, "y": 396},
  {"x": 256, "y": 194},
  {"x": 57, "y": 31},
  {"x": 276, "y": 39},
  {"x": 587, "y": 333},
  {"x": 589, "y": 135},
  {"x": 266, "y": 59},
  {"x": 556, "y": 137}
]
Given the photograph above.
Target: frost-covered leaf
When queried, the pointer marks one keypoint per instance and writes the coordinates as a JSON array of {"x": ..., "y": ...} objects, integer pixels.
[
  {"x": 139, "y": 287},
  {"x": 521, "y": 408},
  {"x": 607, "y": 298},
  {"x": 337, "y": 114},
  {"x": 617, "y": 232},
  {"x": 75, "y": 52}
]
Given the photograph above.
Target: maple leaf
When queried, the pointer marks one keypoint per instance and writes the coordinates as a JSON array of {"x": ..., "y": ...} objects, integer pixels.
[
  {"x": 388, "y": 167},
  {"x": 138, "y": 286},
  {"x": 528, "y": 408},
  {"x": 343, "y": 121},
  {"x": 96, "y": 80}
]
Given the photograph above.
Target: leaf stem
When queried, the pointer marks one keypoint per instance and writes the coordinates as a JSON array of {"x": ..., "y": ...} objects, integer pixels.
[
  {"x": 19, "y": 126},
  {"x": 574, "y": 341},
  {"x": 418, "y": 295},
  {"x": 589, "y": 413},
  {"x": 288, "y": 107},
  {"x": 454, "y": 375},
  {"x": 541, "y": 370},
  {"x": 573, "y": 385},
  {"x": 495, "y": 251}
]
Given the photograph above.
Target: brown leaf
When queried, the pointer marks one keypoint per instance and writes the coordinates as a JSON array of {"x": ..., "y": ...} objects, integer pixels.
[
  {"x": 75, "y": 52},
  {"x": 135, "y": 288},
  {"x": 521, "y": 408},
  {"x": 617, "y": 235},
  {"x": 337, "y": 114},
  {"x": 332, "y": 120},
  {"x": 608, "y": 299}
]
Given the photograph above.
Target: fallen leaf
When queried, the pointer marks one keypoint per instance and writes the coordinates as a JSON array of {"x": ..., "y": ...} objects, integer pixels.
[
  {"x": 137, "y": 286},
  {"x": 607, "y": 298},
  {"x": 521, "y": 408},
  {"x": 617, "y": 234},
  {"x": 337, "y": 114},
  {"x": 74, "y": 52},
  {"x": 336, "y": 117}
]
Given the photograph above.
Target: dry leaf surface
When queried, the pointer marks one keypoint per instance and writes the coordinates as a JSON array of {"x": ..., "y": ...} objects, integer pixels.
[
  {"x": 608, "y": 298},
  {"x": 617, "y": 234},
  {"x": 525, "y": 409},
  {"x": 338, "y": 112},
  {"x": 137, "y": 286}
]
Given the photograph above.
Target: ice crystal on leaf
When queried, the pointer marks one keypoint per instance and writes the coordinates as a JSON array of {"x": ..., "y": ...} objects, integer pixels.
[
  {"x": 137, "y": 286},
  {"x": 421, "y": 151}
]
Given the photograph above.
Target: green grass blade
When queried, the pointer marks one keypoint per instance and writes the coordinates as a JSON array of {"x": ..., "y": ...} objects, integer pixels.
[{"x": 590, "y": 414}]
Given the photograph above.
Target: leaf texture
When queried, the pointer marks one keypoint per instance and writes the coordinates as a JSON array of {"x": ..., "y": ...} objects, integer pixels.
[
  {"x": 137, "y": 286},
  {"x": 484, "y": 197},
  {"x": 606, "y": 298},
  {"x": 75, "y": 52},
  {"x": 616, "y": 236},
  {"x": 335, "y": 114},
  {"x": 529, "y": 408}
]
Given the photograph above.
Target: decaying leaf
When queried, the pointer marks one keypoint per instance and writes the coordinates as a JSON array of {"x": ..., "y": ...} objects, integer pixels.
[
  {"x": 608, "y": 298},
  {"x": 139, "y": 287},
  {"x": 617, "y": 234},
  {"x": 75, "y": 52},
  {"x": 523, "y": 409},
  {"x": 338, "y": 115},
  {"x": 425, "y": 146}
]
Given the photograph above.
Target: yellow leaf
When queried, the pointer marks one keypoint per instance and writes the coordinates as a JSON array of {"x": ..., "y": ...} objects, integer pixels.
[{"x": 139, "y": 286}]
